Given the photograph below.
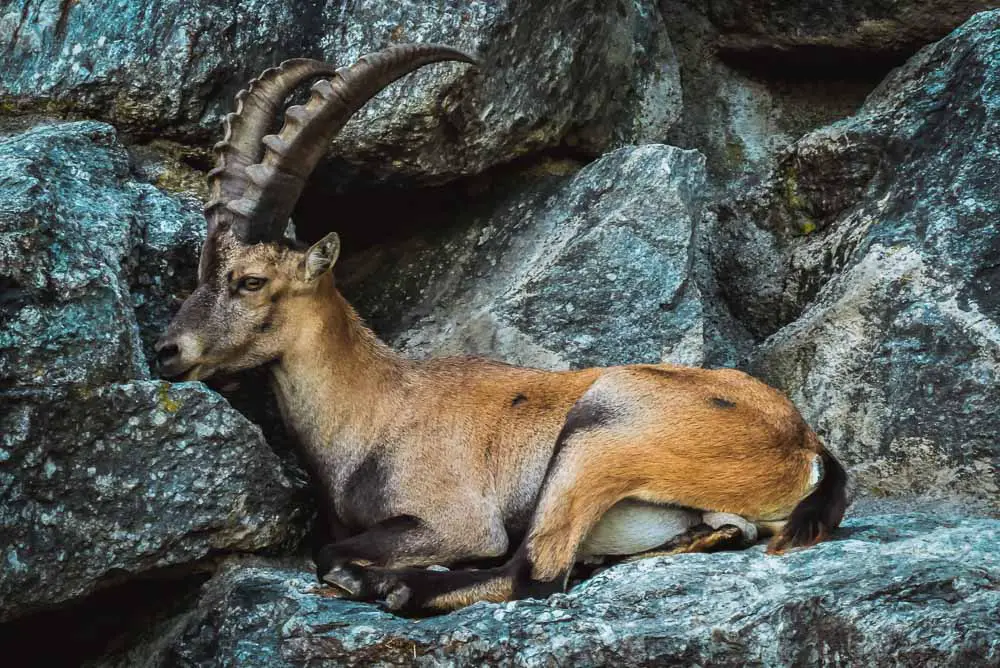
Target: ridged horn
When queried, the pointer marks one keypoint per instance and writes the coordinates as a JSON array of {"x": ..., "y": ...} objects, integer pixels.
[
  {"x": 289, "y": 157},
  {"x": 256, "y": 107}
]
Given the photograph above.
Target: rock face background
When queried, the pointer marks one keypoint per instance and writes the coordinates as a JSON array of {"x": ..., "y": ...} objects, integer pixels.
[{"x": 804, "y": 190}]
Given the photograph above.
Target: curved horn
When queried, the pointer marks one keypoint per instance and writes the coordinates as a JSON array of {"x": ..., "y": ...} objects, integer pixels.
[
  {"x": 256, "y": 107},
  {"x": 290, "y": 156}
]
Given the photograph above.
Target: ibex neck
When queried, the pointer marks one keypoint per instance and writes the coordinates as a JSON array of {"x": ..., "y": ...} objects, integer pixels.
[{"x": 337, "y": 381}]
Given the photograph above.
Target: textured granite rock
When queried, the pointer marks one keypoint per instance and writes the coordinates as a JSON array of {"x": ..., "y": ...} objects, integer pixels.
[
  {"x": 876, "y": 239},
  {"x": 741, "y": 114},
  {"x": 597, "y": 267},
  {"x": 583, "y": 72},
  {"x": 101, "y": 485},
  {"x": 165, "y": 265},
  {"x": 812, "y": 32},
  {"x": 759, "y": 74},
  {"x": 76, "y": 231},
  {"x": 903, "y": 589},
  {"x": 103, "y": 479}
]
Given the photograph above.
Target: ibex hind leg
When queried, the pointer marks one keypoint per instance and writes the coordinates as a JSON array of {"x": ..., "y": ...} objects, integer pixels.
[{"x": 700, "y": 538}]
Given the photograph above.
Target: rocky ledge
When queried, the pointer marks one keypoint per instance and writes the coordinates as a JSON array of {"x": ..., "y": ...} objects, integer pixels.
[{"x": 909, "y": 588}]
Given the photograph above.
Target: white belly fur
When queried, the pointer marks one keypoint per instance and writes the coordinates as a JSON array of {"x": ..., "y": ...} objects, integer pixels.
[{"x": 633, "y": 526}]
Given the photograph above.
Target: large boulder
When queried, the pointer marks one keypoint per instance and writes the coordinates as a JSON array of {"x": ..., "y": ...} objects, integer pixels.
[
  {"x": 584, "y": 72},
  {"x": 83, "y": 243},
  {"x": 103, "y": 478},
  {"x": 67, "y": 228},
  {"x": 871, "y": 255},
  {"x": 813, "y": 32},
  {"x": 895, "y": 589},
  {"x": 101, "y": 485},
  {"x": 593, "y": 268},
  {"x": 758, "y": 74}
]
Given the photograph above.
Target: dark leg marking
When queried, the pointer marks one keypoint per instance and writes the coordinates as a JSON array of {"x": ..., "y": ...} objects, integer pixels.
[
  {"x": 343, "y": 563},
  {"x": 367, "y": 489},
  {"x": 419, "y": 592},
  {"x": 524, "y": 585},
  {"x": 415, "y": 592}
]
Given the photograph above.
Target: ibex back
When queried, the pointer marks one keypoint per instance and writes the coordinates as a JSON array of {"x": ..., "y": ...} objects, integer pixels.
[{"x": 460, "y": 460}]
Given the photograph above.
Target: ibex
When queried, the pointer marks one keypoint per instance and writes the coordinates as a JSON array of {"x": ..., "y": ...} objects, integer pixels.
[{"x": 461, "y": 460}]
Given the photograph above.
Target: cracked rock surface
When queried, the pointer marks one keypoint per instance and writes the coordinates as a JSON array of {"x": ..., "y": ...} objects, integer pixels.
[
  {"x": 106, "y": 475},
  {"x": 870, "y": 257},
  {"x": 587, "y": 72},
  {"x": 893, "y": 589},
  {"x": 97, "y": 486},
  {"x": 591, "y": 268}
]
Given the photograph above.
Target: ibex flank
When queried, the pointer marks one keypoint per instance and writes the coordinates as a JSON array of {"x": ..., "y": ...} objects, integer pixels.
[{"x": 465, "y": 460}]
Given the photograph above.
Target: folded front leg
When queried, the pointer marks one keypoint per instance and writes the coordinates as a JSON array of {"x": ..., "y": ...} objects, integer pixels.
[{"x": 357, "y": 565}]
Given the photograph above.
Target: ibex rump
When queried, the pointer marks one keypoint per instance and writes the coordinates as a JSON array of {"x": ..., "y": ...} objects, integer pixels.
[{"x": 455, "y": 460}]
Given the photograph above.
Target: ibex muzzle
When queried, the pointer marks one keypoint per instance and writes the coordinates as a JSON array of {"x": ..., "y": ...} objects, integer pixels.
[{"x": 453, "y": 460}]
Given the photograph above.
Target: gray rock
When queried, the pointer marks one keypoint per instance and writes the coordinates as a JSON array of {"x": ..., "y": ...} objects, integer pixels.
[
  {"x": 810, "y": 32},
  {"x": 880, "y": 240},
  {"x": 740, "y": 114},
  {"x": 903, "y": 589},
  {"x": 103, "y": 479},
  {"x": 165, "y": 265},
  {"x": 66, "y": 229},
  {"x": 76, "y": 231},
  {"x": 589, "y": 269},
  {"x": 759, "y": 74},
  {"x": 99, "y": 486},
  {"x": 584, "y": 72}
]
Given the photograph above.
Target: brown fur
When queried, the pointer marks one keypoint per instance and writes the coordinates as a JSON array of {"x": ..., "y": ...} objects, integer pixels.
[{"x": 441, "y": 461}]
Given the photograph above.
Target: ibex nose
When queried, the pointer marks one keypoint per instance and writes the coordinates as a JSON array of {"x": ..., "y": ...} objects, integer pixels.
[
  {"x": 166, "y": 352},
  {"x": 167, "y": 355}
]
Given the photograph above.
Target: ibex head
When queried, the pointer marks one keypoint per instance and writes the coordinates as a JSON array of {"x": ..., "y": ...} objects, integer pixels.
[{"x": 251, "y": 279}]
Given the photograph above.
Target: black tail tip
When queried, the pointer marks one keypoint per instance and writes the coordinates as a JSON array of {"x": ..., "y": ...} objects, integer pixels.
[{"x": 819, "y": 514}]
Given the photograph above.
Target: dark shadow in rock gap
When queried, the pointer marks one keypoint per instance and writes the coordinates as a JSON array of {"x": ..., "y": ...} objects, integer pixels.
[
  {"x": 108, "y": 621},
  {"x": 814, "y": 62},
  {"x": 366, "y": 212}
]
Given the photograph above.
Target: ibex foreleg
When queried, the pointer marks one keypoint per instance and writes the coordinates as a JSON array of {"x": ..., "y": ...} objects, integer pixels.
[
  {"x": 360, "y": 565},
  {"x": 401, "y": 540}
]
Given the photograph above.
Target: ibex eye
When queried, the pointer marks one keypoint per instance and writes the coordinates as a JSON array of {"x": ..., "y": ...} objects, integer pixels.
[{"x": 251, "y": 283}]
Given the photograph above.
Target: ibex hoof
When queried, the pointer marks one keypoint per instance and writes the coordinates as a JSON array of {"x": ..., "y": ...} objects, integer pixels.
[
  {"x": 398, "y": 597},
  {"x": 344, "y": 579}
]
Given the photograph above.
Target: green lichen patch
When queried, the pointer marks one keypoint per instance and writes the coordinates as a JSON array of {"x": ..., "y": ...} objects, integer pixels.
[{"x": 165, "y": 401}]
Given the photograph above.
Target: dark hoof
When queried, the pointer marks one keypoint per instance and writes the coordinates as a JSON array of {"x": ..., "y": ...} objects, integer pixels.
[
  {"x": 345, "y": 578},
  {"x": 397, "y": 598}
]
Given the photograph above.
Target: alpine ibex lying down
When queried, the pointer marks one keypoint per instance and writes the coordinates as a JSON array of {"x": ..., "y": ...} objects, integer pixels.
[{"x": 460, "y": 460}]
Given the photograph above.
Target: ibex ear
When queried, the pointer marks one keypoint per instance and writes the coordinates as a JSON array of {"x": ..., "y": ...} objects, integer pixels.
[{"x": 321, "y": 257}]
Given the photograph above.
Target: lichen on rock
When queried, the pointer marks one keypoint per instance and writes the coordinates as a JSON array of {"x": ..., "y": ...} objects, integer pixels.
[{"x": 104, "y": 484}]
